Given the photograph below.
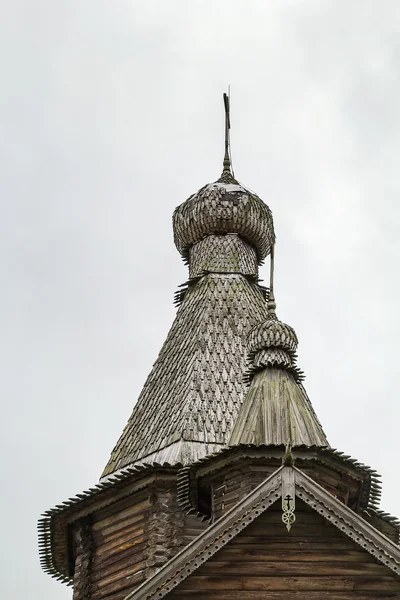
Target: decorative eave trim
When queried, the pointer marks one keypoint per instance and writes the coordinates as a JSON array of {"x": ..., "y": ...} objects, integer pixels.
[
  {"x": 373, "y": 493},
  {"x": 248, "y": 509},
  {"x": 384, "y": 516},
  {"x": 47, "y": 521},
  {"x": 349, "y": 522}
]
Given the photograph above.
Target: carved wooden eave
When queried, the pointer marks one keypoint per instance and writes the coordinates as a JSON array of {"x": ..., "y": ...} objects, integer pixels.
[
  {"x": 368, "y": 478},
  {"x": 53, "y": 526},
  {"x": 252, "y": 506}
]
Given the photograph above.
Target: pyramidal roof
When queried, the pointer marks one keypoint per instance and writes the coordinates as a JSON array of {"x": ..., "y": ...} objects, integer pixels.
[
  {"x": 276, "y": 409},
  {"x": 197, "y": 399}
]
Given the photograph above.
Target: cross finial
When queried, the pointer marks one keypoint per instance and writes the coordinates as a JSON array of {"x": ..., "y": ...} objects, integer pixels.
[
  {"x": 227, "y": 160},
  {"x": 227, "y": 176}
]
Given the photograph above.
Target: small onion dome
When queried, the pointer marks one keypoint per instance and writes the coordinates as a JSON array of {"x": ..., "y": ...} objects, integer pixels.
[
  {"x": 224, "y": 207},
  {"x": 272, "y": 344},
  {"x": 272, "y": 333}
]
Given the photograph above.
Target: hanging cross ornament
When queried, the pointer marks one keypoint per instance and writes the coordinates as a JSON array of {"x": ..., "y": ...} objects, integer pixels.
[{"x": 288, "y": 497}]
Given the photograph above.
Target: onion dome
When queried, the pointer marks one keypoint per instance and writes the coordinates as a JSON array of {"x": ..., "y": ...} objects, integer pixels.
[
  {"x": 220, "y": 208},
  {"x": 224, "y": 207},
  {"x": 272, "y": 334},
  {"x": 272, "y": 343},
  {"x": 276, "y": 407}
]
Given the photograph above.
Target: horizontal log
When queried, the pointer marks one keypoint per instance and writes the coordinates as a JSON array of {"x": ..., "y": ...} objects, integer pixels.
[
  {"x": 302, "y": 518},
  {"x": 130, "y": 521},
  {"x": 123, "y": 575},
  {"x": 134, "y": 509},
  {"x": 121, "y": 595},
  {"x": 117, "y": 571},
  {"x": 293, "y": 568},
  {"x": 243, "y": 595},
  {"x": 117, "y": 590},
  {"x": 284, "y": 542},
  {"x": 121, "y": 543},
  {"x": 303, "y": 530},
  {"x": 303, "y": 583},
  {"x": 135, "y": 554},
  {"x": 130, "y": 529},
  {"x": 120, "y": 505},
  {"x": 261, "y": 554}
]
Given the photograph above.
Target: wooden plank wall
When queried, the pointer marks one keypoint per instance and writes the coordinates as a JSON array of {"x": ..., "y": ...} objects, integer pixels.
[
  {"x": 193, "y": 527},
  {"x": 119, "y": 547},
  {"x": 236, "y": 481},
  {"x": 239, "y": 479},
  {"x": 314, "y": 561},
  {"x": 126, "y": 542}
]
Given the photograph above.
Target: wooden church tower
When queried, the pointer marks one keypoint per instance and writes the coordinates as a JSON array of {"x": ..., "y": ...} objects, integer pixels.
[{"x": 223, "y": 485}]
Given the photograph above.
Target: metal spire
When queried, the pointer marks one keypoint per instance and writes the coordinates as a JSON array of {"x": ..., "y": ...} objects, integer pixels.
[
  {"x": 227, "y": 176},
  {"x": 227, "y": 160}
]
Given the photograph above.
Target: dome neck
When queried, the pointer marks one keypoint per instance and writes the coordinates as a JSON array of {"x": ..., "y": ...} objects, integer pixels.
[
  {"x": 227, "y": 253},
  {"x": 227, "y": 177}
]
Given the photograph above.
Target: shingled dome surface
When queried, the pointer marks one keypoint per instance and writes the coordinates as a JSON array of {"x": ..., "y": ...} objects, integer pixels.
[
  {"x": 272, "y": 333},
  {"x": 219, "y": 208}
]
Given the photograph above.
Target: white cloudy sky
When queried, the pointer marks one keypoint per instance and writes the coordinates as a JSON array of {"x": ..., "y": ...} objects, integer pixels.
[{"x": 111, "y": 115}]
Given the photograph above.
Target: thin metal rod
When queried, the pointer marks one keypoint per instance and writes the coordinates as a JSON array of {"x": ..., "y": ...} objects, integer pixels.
[
  {"x": 271, "y": 305},
  {"x": 271, "y": 273},
  {"x": 227, "y": 161}
]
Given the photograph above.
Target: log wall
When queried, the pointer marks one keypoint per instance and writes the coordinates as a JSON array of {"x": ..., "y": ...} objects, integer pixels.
[
  {"x": 314, "y": 561},
  {"x": 165, "y": 526},
  {"x": 119, "y": 547},
  {"x": 234, "y": 481}
]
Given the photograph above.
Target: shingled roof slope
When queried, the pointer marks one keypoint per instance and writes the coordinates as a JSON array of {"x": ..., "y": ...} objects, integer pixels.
[
  {"x": 196, "y": 388},
  {"x": 275, "y": 410}
]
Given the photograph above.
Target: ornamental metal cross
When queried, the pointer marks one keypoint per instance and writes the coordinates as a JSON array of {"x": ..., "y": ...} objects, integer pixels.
[{"x": 288, "y": 499}]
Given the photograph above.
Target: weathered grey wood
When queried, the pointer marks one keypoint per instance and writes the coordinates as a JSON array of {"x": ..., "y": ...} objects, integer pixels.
[
  {"x": 271, "y": 595},
  {"x": 224, "y": 397},
  {"x": 302, "y": 570},
  {"x": 83, "y": 553},
  {"x": 198, "y": 555}
]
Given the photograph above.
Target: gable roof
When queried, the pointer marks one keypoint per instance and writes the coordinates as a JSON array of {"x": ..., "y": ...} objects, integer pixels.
[{"x": 248, "y": 509}]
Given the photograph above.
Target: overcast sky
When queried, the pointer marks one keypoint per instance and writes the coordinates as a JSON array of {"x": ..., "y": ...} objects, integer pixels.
[{"x": 111, "y": 115}]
